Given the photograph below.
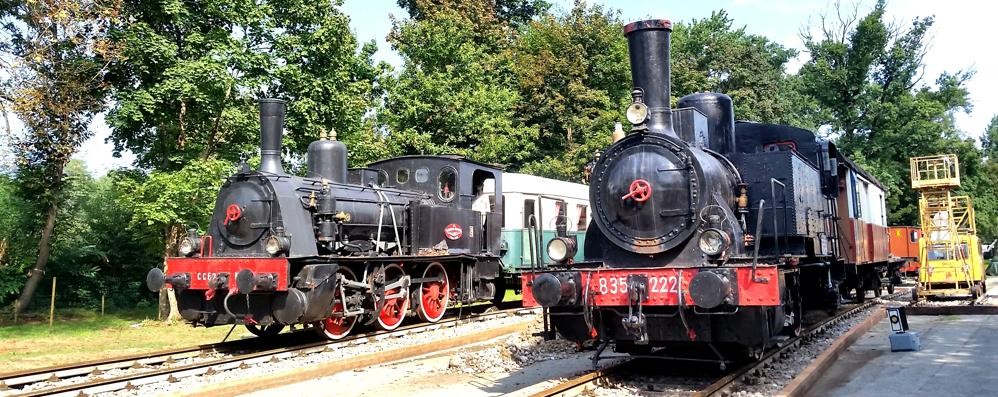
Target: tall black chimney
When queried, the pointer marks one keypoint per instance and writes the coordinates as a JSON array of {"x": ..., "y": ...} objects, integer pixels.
[
  {"x": 271, "y": 128},
  {"x": 648, "y": 46}
]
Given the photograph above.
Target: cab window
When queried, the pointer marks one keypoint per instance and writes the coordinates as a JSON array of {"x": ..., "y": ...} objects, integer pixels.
[
  {"x": 402, "y": 176},
  {"x": 422, "y": 175},
  {"x": 447, "y": 184}
]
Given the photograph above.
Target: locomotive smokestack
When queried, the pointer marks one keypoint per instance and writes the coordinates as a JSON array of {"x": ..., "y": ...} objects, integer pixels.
[
  {"x": 648, "y": 46},
  {"x": 271, "y": 128}
]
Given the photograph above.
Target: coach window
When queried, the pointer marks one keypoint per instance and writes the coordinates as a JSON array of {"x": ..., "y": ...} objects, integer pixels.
[
  {"x": 447, "y": 183},
  {"x": 583, "y": 221},
  {"x": 528, "y": 211},
  {"x": 402, "y": 176},
  {"x": 503, "y": 217}
]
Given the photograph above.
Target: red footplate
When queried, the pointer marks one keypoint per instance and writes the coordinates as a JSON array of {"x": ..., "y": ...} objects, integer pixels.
[
  {"x": 203, "y": 270},
  {"x": 609, "y": 287}
]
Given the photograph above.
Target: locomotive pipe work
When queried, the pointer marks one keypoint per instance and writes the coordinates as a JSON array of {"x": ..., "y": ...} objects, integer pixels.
[
  {"x": 271, "y": 127},
  {"x": 648, "y": 46}
]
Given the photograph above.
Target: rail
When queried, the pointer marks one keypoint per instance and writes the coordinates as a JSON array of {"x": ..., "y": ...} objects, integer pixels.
[{"x": 26, "y": 383}]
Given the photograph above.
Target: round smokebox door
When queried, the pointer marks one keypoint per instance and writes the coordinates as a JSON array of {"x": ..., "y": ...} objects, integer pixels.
[
  {"x": 645, "y": 193},
  {"x": 242, "y": 212}
]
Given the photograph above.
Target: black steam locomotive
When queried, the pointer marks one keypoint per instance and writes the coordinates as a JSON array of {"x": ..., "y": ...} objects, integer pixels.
[
  {"x": 339, "y": 246},
  {"x": 704, "y": 231}
]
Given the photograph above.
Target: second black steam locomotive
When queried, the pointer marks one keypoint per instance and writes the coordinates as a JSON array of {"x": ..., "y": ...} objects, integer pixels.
[
  {"x": 706, "y": 231},
  {"x": 340, "y": 247}
]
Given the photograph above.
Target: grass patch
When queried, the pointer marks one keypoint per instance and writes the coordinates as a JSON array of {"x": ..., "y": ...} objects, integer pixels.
[
  {"x": 511, "y": 296},
  {"x": 81, "y": 335}
]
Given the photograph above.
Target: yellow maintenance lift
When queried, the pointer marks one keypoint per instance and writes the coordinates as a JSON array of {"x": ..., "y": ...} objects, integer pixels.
[{"x": 950, "y": 253}]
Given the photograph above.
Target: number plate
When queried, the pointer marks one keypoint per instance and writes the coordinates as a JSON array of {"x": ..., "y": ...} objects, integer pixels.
[
  {"x": 203, "y": 270},
  {"x": 609, "y": 287},
  {"x": 664, "y": 285}
]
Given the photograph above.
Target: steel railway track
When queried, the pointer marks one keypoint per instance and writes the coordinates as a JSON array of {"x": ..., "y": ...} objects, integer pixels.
[
  {"x": 721, "y": 384},
  {"x": 98, "y": 376}
]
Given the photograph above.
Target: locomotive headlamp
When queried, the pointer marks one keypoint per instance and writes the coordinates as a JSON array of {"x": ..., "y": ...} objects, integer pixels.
[
  {"x": 713, "y": 242},
  {"x": 637, "y": 113},
  {"x": 276, "y": 244},
  {"x": 560, "y": 249},
  {"x": 189, "y": 246}
]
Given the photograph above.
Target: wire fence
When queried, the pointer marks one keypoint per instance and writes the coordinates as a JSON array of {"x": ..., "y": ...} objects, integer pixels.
[{"x": 60, "y": 299}]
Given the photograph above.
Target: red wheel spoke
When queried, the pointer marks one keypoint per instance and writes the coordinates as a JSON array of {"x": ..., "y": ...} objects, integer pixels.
[
  {"x": 433, "y": 301},
  {"x": 393, "y": 310},
  {"x": 337, "y": 325}
]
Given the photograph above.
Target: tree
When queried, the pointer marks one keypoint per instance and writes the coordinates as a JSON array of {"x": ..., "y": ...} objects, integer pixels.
[
  {"x": 13, "y": 241},
  {"x": 573, "y": 76},
  {"x": 574, "y": 79},
  {"x": 989, "y": 141},
  {"x": 512, "y": 12},
  {"x": 193, "y": 70},
  {"x": 57, "y": 83},
  {"x": 986, "y": 194},
  {"x": 864, "y": 74},
  {"x": 713, "y": 55},
  {"x": 454, "y": 93},
  {"x": 164, "y": 203}
]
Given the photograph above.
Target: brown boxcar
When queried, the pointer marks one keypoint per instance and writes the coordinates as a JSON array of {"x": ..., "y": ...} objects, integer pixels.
[{"x": 863, "y": 236}]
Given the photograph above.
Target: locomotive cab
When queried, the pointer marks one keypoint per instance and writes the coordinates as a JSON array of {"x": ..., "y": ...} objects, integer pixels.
[{"x": 454, "y": 218}]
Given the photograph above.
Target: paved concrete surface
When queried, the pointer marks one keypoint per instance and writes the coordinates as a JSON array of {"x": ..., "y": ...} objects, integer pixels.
[{"x": 956, "y": 359}]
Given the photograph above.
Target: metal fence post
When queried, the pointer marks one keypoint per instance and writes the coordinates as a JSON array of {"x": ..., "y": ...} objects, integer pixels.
[{"x": 52, "y": 304}]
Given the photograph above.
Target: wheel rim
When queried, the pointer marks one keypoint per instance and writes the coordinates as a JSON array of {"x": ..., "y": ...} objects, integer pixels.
[
  {"x": 336, "y": 327},
  {"x": 434, "y": 295},
  {"x": 393, "y": 311}
]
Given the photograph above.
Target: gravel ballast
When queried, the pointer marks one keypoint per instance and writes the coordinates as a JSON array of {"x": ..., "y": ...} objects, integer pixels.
[{"x": 336, "y": 352}]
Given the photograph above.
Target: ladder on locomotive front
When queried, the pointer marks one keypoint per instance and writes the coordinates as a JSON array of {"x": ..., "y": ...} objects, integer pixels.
[{"x": 948, "y": 226}]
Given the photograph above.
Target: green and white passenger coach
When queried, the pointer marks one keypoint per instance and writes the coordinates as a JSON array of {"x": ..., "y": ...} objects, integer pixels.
[{"x": 527, "y": 197}]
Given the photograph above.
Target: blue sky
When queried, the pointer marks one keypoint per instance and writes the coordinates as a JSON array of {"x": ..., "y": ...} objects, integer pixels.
[{"x": 956, "y": 42}]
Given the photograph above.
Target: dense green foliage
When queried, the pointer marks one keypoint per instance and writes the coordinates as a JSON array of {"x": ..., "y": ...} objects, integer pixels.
[
  {"x": 454, "y": 93},
  {"x": 573, "y": 76},
  {"x": 95, "y": 250},
  {"x": 865, "y": 79},
  {"x": 503, "y": 81},
  {"x": 191, "y": 72},
  {"x": 54, "y": 80}
]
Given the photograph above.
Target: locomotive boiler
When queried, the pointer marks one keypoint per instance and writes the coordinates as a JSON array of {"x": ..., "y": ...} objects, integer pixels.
[
  {"x": 338, "y": 247},
  {"x": 704, "y": 231}
]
